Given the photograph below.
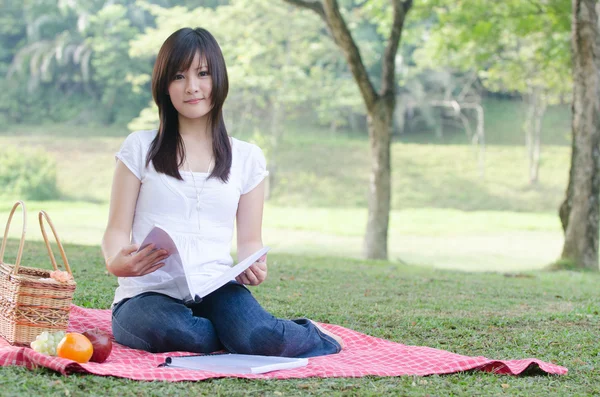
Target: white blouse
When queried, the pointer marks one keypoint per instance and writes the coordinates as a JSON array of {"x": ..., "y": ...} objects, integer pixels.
[{"x": 203, "y": 236}]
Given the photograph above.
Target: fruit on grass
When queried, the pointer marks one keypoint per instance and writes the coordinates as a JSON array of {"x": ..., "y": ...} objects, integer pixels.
[
  {"x": 76, "y": 347},
  {"x": 102, "y": 344},
  {"x": 46, "y": 342}
]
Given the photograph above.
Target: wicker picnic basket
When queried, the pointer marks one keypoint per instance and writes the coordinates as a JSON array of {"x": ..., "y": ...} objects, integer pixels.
[{"x": 32, "y": 302}]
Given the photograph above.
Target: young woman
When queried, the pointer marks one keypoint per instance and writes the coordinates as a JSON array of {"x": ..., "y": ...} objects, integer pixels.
[{"x": 194, "y": 180}]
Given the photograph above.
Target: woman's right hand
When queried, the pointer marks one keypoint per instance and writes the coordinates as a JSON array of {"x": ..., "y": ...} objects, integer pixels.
[{"x": 129, "y": 263}]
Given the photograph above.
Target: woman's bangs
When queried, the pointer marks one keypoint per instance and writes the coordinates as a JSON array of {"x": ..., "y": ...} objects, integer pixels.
[{"x": 181, "y": 58}]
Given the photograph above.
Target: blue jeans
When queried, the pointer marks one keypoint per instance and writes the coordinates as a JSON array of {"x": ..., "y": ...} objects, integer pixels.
[{"x": 229, "y": 318}]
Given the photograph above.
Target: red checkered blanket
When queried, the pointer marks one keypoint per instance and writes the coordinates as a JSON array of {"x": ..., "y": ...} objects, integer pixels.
[{"x": 363, "y": 355}]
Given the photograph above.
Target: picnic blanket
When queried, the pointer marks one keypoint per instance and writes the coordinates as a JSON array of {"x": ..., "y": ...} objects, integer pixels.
[{"x": 364, "y": 355}]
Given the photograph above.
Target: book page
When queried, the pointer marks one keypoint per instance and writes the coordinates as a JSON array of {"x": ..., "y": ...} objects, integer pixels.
[
  {"x": 197, "y": 283},
  {"x": 205, "y": 288},
  {"x": 161, "y": 240}
]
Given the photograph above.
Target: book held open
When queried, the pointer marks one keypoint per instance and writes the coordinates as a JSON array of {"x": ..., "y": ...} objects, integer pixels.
[{"x": 161, "y": 240}]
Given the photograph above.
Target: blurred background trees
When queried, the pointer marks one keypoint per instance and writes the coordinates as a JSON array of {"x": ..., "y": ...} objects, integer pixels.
[
  {"x": 493, "y": 74},
  {"x": 88, "y": 62}
]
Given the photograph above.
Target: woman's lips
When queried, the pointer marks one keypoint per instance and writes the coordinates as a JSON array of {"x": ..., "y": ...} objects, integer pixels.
[{"x": 193, "y": 101}]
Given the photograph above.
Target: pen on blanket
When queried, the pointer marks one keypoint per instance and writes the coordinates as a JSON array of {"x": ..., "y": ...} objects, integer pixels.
[{"x": 169, "y": 359}]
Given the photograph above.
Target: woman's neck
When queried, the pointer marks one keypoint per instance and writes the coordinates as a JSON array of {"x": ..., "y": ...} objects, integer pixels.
[{"x": 195, "y": 130}]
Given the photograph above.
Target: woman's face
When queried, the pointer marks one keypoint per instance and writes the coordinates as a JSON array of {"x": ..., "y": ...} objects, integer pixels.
[{"x": 191, "y": 90}]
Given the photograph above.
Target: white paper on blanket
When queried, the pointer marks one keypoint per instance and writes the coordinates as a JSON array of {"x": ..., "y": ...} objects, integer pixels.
[
  {"x": 235, "y": 363},
  {"x": 197, "y": 283}
]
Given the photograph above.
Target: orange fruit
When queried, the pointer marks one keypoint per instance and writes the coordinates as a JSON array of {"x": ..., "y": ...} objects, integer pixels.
[{"x": 75, "y": 347}]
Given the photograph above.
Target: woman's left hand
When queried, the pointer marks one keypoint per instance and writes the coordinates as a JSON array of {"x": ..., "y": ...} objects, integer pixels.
[{"x": 255, "y": 274}]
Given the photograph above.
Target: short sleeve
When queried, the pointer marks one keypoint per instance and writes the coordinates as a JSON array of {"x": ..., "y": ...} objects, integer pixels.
[
  {"x": 255, "y": 169},
  {"x": 131, "y": 154}
]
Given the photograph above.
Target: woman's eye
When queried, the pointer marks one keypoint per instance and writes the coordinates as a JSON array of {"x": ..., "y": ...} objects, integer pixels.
[
  {"x": 203, "y": 73},
  {"x": 178, "y": 76}
]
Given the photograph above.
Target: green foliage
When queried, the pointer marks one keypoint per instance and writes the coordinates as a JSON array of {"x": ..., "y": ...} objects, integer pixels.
[
  {"x": 278, "y": 57},
  {"x": 70, "y": 62},
  {"x": 514, "y": 45},
  {"x": 89, "y": 62},
  {"x": 27, "y": 174},
  {"x": 109, "y": 33},
  {"x": 54, "y": 49},
  {"x": 263, "y": 141},
  {"x": 146, "y": 120},
  {"x": 47, "y": 70},
  {"x": 17, "y": 105},
  {"x": 12, "y": 30}
]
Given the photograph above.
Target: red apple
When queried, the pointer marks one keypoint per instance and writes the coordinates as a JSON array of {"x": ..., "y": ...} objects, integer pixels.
[{"x": 101, "y": 343}]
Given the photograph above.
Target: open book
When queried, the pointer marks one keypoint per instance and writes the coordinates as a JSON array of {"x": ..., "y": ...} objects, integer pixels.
[
  {"x": 161, "y": 240},
  {"x": 235, "y": 363}
]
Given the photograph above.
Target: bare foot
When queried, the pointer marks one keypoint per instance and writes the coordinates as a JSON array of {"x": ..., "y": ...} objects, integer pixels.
[{"x": 337, "y": 338}]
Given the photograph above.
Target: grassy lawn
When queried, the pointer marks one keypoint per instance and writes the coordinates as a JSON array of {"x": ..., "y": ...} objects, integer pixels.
[
  {"x": 316, "y": 168},
  {"x": 550, "y": 316},
  {"x": 497, "y": 230},
  {"x": 443, "y": 213},
  {"x": 443, "y": 238},
  {"x": 335, "y": 173}
]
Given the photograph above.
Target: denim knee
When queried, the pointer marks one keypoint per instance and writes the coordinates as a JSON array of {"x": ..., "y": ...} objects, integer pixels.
[
  {"x": 130, "y": 339},
  {"x": 157, "y": 323},
  {"x": 264, "y": 339}
]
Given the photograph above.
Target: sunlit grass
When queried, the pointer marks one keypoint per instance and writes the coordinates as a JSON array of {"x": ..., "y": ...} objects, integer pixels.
[
  {"x": 316, "y": 168},
  {"x": 444, "y": 213},
  {"x": 497, "y": 228},
  {"x": 549, "y": 316},
  {"x": 473, "y": 241}
]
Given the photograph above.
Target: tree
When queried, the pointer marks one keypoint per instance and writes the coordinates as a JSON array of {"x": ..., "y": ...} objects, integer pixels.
[
  {"x": 114, "y": 72},
  {"x": 53, "y": 50},
  {"x": 515, "y": 46},
  {"x": 579, "y": 211},
  {"x": 279, "y": 65},
  {"x": 380, "y": 110},
  {"x": 74, "y": 55}
]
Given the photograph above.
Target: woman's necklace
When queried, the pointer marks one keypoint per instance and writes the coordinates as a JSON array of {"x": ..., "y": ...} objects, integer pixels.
[{"x": 196, "y": 187}]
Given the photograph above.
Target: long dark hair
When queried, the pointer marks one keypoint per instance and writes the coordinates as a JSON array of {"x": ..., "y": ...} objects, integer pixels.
[{"x": 167, "y": 151}]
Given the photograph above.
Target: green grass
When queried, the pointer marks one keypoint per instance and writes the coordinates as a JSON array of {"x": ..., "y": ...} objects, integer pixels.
[
  {"x": 444, "y": 216},
  {"x": 443, "y": 238},
  {"x": 550, "y": 316},
  {"x": 326, "y": 174},
  {"x": 443, "y": 213},
  {"x": 335, "y": 173},
  {"x": 316, "y": 168}
]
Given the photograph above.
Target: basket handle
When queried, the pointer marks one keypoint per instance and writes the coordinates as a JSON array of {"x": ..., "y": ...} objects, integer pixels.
[
  {"x": 22, "y": 242},
  {"x": 41, "y": 217}
]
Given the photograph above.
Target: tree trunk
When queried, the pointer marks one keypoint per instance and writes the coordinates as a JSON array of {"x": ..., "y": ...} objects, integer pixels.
[
  {"x": 533, "y": 131},
  {"x": 277, "y": 117},
  {"x": 380, "y": 132},
  {"x": 275, "y": 135},
  {"x": 480, "y": 139},
  {"x": 579, "y": 211},
  {"x": 380, "y": 110},
  {"x": 534, "y": 169}
]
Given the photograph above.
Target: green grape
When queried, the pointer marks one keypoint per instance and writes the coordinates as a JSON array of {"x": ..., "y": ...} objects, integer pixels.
[
  {"x": 46, "y": 342},
  {"x": 41, "y": 343},
  {"x": 57, "y": 337}
]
